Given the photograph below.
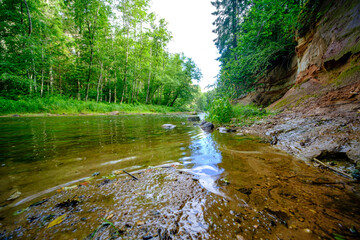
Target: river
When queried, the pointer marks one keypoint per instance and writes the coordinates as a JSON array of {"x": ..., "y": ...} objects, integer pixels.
[{"x": 267, "y": 192}]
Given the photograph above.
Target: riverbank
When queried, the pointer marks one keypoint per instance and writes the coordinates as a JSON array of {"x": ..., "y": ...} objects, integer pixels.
[
  {"x": 330, "y": 133},
  {"x": 114, "y": 113},
  {"x": 70, "y": 183},
  {"x": 169, "y": 203},
  {"x": 57, "y": 106}
]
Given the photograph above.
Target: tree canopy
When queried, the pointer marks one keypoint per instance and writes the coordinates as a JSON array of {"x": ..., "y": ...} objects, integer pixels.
[
  {"x": 99, "y": 50},
  {"x": 252, "y": 37}
]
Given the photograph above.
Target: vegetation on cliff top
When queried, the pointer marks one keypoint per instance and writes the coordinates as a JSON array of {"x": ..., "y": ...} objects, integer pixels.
[{"x": 253, "y": 36}]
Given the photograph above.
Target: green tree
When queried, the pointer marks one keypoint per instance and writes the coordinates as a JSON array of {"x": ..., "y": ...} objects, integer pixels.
[{"x": 264, "y": 37}]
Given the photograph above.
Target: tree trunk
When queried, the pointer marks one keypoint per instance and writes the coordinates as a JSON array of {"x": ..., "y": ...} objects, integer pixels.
[
  {"x": 161, "y": 93},
  {"x": 78, "y": 93},
  {"x": 109, "y": 92},
  {"x": 126, "y": 67},
  {"x": 101, "y": 90},
  {"x": 99, "y": 81},
  {"x": 42, "y": 72},
  {"x": 51, "y": 80},
  {"x": 42, "y": 82},
  {"x": 153, "y": 94},
  {"x": 172, "y": 103},
  {"x": 89, "y": 73},
  {"x": 33, "y": 71},
  {"x": 29, "y": 17},
  {"x": 149, "y": 79},
  {"x": 60, "y": 84},
  {"x": 115, "y": 97}
]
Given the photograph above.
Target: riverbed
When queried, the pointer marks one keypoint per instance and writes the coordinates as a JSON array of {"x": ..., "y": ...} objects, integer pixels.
[{"x": 127, "y": 177}]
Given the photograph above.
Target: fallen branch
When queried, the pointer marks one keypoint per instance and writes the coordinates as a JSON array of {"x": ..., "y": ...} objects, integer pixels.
[
  {"x": 130, "y": 175},
  {"x": 333, "y": 169}
]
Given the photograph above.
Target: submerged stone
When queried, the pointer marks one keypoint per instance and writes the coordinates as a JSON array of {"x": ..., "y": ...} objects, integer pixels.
[
  {"x": 207, "y": 126},
  {"x": 193, "y": 118},
  {"x": 169, "y": 126}
]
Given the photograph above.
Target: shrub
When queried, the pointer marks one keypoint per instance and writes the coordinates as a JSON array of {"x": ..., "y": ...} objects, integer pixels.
[{"x": 220, "y": 111}]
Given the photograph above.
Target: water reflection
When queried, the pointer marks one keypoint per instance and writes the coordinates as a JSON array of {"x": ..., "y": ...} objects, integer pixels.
[
  {"x": 41, "y": 153},
  {"x": 204, "y": 159}
]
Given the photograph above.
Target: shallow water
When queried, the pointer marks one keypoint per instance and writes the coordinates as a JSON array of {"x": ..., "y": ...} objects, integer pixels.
[
  {"x": 40, "y": 153},
  {"x": 266, "y": 192}
]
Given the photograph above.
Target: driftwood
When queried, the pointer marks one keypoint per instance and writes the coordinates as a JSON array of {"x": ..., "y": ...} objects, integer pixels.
[
  {"x": 333, "y": 169},
  {"x": 135, "y": 178}
]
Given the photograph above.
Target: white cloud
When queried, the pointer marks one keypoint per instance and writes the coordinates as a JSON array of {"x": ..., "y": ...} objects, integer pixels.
[{"x": 190, "y": 22}]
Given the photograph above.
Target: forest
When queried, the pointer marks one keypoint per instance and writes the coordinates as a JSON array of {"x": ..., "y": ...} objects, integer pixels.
[
  {"x": 106, "y": 51},
  {"x": 94, "y": 50},
  {"x": 252, "y": 37}
]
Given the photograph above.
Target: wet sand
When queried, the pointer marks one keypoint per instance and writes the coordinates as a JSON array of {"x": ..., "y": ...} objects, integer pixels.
[{"x": 170, "y": 203}]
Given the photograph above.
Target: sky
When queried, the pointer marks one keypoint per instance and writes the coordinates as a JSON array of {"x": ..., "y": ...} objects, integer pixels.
[{"x": 190, "y": 22}]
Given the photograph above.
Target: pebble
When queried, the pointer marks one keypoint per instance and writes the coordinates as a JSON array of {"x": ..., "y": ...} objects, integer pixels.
[
  {"x": 139, "y": 223},
  {"x": 14, "y": 196},
  {"x": 118, "y": 172},
  {"x": 239, "y": 237}
]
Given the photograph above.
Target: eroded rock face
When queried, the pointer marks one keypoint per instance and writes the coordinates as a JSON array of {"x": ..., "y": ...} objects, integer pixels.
[
  {"x": 327, "y": 59},
  {"x": 332, "y": 43},
  {"x": 277, "y": 82},
  {"x": 321, "y": 110}
]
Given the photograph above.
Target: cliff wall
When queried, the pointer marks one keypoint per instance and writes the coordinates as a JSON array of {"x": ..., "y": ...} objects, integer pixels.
[
  {"x": 318, "y": 94},
  {"x": 326, "y": 60}
]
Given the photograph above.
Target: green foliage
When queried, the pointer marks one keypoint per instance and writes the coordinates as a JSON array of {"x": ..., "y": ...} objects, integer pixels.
[
  {"x": 220, "y": 111},
  {"x": 264, "y": 37},
  {"x": 60, "y": 105},
  {"x": 93, "y": 50},
  {"x": 248, "y": 114},
  {"x": 308, "y": 16}
]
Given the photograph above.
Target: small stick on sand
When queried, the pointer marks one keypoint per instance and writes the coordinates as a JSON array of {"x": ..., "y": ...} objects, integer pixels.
[
  {"x": 332, "y": 169},
  {"x": 130, "y": 175}
]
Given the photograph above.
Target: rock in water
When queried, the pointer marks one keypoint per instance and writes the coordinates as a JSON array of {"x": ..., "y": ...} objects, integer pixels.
[
  {"x": 356, "y": 174},
  {"x": 207, "y": 126},
  {"x": 193, "y": 118},
  {"x": 14, "y": 196},
  {"x": 169, "y": 126},
  {"x": 223, "y": 130}
]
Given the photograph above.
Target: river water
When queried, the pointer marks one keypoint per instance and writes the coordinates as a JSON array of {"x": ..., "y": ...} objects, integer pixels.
[{"x": 42, "y": 154}]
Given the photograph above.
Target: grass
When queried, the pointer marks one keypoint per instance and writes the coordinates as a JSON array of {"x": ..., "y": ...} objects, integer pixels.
[
  {"x": 239, "y": 115},
  {"x": 64, "y": 105},
  {"x": 246, "y": 115}
]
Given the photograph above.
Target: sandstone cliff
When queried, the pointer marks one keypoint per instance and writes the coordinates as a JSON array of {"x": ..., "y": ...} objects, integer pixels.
[{"x": 318, "y": 90}]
